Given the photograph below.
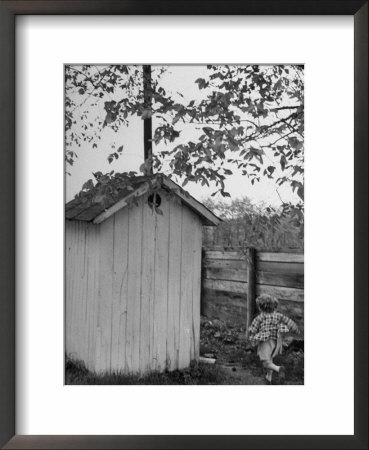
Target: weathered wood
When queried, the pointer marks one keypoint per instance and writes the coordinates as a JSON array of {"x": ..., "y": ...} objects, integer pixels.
[
  {"x": 208, "y": 217},
  {"x": 270, "y": 278},
  {"x": 227, "y": 306},
  {"x": 186, "y": 290},
  {"x": 89, "y": 213},
  {"x": 224, "y": 263},
  {"x": 119, "y": 291},
  {"x": 279, "y": 267},
  {"x": 209, "y": 254},
  {"x": 121, "y": 204},
  {"x": 174, "y": 283},
  {"x": 161, "y": 284},
  {"x": 105, "y": 293},
  {"x": 282, "y": 293},
  {"x": 226, "y": 286},
  {"x": 134, "y": 289},
  {"x": 72, "y": 212},
  {"x": 196, "y": 287},
  {"x": 294, "y": 280},
  {"x": 215, "y": 273},
  {"x": 93, "y": 304},
  {"x": 251, "y": 286},
  {"x": 147, "y": 290},
  {"x": 280, "y": 257}
]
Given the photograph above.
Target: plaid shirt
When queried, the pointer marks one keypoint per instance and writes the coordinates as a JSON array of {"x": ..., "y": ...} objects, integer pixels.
[{"x": 270, "y": 326}]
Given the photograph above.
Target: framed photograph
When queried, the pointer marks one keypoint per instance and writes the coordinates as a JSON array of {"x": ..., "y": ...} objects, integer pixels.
[{"x": 184, "y": 236}]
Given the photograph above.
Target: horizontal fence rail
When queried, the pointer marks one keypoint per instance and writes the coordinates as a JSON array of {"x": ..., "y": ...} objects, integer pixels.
[{"x": 226, "y": 284}]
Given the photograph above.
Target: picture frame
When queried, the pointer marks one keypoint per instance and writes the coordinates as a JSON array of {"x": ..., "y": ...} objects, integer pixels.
[{"x": 8, "y": 12}]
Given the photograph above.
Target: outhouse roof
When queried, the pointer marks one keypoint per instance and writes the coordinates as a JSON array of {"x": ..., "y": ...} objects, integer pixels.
[{"x": 90, "y": 210}]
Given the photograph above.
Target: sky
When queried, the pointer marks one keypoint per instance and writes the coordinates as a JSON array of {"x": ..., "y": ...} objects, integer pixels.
[{"x": 182, "y": 79}]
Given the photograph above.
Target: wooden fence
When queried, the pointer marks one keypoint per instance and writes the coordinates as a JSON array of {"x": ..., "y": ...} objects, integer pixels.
[{"x": 232, "y": 279}]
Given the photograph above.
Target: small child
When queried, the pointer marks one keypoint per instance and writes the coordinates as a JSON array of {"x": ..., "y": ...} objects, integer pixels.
[{"x": 266, "y": 332}]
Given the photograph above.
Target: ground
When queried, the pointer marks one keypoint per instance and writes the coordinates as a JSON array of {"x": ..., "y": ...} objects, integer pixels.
[
  {"x": 228, "y": 346},
  {"x": 235, "y": 363}
]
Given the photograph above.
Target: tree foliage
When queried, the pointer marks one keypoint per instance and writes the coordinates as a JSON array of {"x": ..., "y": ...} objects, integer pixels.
[
  {"x": 251, "y": 117},
  {"x": 246, "y": 224}
]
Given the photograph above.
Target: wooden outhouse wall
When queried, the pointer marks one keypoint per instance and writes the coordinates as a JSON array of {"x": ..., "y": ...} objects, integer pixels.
[{"x": 133, "y": 288}]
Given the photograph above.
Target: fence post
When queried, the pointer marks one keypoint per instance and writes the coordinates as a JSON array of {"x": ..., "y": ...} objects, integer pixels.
[{"x": 251, "y": 286}]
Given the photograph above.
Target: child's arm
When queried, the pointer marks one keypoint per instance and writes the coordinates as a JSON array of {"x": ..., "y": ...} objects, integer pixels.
[
  {"x": 254, "y": 327},
  {"x": 290, "y": 324}
]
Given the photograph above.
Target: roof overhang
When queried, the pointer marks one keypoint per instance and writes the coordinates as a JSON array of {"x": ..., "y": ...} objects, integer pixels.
[{"x": 157, "y": 181}]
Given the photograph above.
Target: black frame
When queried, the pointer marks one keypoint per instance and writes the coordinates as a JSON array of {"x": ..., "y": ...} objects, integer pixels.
[{"x": 8, "y": 11}]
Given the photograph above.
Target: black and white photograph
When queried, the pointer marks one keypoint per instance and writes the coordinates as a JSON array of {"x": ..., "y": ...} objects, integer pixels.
[{"x": 184, "y": 224}]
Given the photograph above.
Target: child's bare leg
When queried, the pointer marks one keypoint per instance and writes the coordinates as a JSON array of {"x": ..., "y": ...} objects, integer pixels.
[
  {"x": 269, "y": 365},
  {"x": 274, "y": 367},
  {"x": 269, "y": 375}
]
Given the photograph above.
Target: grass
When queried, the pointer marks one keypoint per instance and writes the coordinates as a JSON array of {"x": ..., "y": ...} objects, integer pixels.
[
  {"x": 228, "y": 345},
  {"x": 235, "y": 363},
  {"x": 76, "y": 373}
]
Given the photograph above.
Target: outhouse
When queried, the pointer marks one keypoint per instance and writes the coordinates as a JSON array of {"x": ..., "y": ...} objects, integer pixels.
[{"x": 133, "y": 279}]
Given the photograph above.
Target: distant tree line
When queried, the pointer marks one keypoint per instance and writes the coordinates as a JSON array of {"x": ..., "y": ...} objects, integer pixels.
[{"x": 246, "y": 224}]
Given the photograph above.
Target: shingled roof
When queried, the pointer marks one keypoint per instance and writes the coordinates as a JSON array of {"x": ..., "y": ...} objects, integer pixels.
[{"x": 91, "y": 211}]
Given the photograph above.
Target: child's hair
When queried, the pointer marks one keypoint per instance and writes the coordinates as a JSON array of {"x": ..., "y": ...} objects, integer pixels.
[{"x": 266, "y": 303}]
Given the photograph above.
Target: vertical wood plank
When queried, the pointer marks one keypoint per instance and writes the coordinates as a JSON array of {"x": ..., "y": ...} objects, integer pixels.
[
  {"x": 105, "y": 292},
  {"x": 196, "y": 276},
  {"x": 93, "y": 292},
  {"x": 174, "y": 283},
  {"x": 84, "y": 298},
  {"x": 251, "y": 286},
  {"x": 186, "y": 290},
  {"x": 120, "y": 284},
  {"x": 134, "y": 288},
  {"x": 147, "y": 288},
  {"x": 70, "y": 261},
  {"x": 77, "y": 333},
  {"x": 161, "y": 283}
]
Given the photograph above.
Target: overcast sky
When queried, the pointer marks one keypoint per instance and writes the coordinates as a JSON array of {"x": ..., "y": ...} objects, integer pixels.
[{"x": 177, "y": 78}]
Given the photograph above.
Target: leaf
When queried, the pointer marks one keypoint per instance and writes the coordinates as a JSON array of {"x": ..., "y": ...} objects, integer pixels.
[
  {"x": 225, "y": 194},
  {"x": 88, "y": 185},
  {"x": 283, "y": 162},
  {"x": 300, "y": 192},
  {"x": 158, "y": 211}
]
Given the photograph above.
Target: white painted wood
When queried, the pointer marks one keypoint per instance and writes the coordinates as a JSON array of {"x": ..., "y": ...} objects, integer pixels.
[
  {"x": 77, "y": 315},
  {"x": 174, "y": 283},
  {"x": 161, "y": 283},
  {"x": 196, "y": 287},
  {"x": 134, "y": 288},
  {"x": 119, "y": 293},
  {"x": 105, "y": 292},
  {"x": 186, "y": 289},
  {"x": 147, "y": 289},
  {"x": 208, "y": 217},
  {"x": 93, "y": 292},
  {"x": 121, "y": 204}
]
